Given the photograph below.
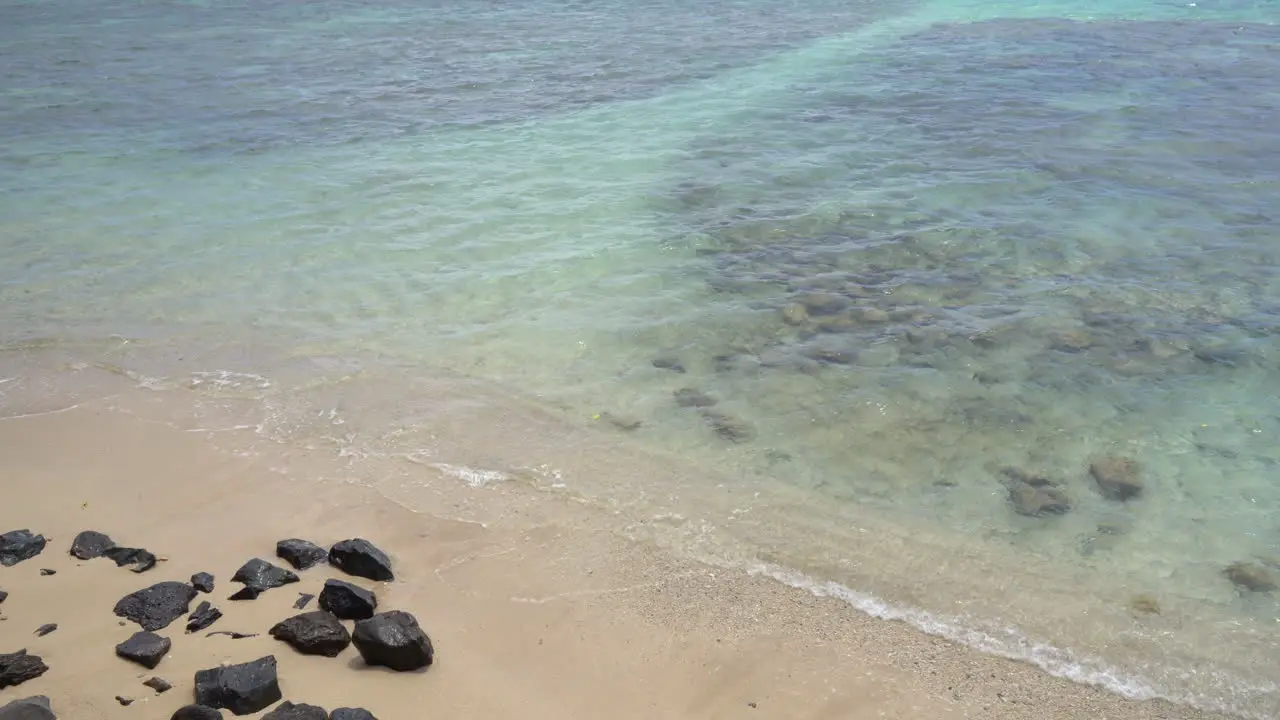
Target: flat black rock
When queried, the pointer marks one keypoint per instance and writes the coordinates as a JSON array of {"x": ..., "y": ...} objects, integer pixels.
[
  {"x": 301, "y": 711},
  {"x": 204, "y": 615},
  {"x": 232, "y": 634},
  {"x": 394, "y": 640},
  {"x": 48, "y": 571},
  {"x": 35, "y": 707},
  {"x": 141, "y": 560},
  {"x": 301, "y": 602},
  {"x": 351, "y": 714},
  {"x": 314, "y": 633},
  {"x": 17, "y": 668},
  {"x": 91, "y": 544},
  {"x": 144, "y": 648},
  {"x": 359, "y": 557},
  {"x": 243, "y": 689},
  {"x": 46, "y": 629},
  {"x": 196, "y": 712},
  {"x": 160, "y": 685},
  {"x": 3, "y": 596},
  {"x": 347, "y": 601},
  {"x": 155, "y": 607},
  {"x": 301, "y": 554},
  {"x": 262, "y": 575},
  {"x": 203, "y": 582},
  {"x": 125, "y": 701},
  {"x": 19, "y": 545}
]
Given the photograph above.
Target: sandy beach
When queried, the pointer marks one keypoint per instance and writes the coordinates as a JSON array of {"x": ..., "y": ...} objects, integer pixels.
[{"x": 537, "y": 612}]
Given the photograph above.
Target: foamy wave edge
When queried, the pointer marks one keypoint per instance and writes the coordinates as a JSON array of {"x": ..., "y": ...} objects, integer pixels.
[{"x": 1059, "y": 662}]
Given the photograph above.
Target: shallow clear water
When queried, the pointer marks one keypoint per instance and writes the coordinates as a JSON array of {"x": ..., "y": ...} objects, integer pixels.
[{"x": 881, "y": 265}]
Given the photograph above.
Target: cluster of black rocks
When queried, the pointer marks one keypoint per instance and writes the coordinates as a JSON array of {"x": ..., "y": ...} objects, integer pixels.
[{"x": 391, "y": 639}]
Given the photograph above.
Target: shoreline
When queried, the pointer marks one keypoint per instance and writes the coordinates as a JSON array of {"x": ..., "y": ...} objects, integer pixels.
[{"x": 538, "y": 610}]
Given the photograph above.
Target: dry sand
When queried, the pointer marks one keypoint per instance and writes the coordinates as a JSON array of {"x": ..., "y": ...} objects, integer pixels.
[{"x": 540, "y": 612}]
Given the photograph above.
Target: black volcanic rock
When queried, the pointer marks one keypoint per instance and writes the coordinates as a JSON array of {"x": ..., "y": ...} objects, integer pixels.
[
  {"x": 314, "y": 633},
  {"x": 160, "y": 685},
  {"x": 301, "y": 554},
  {"x": 203, "y": 582},
  {"x": 359, "y": 557},
  {"x": 19, "y": 545},
  {"x": 144, "y": 648},
  {"x": 394, "y": 640},
  {"x": 35, "y": 707},
  {"x": 3, "y": 596},
  {"x": 243, "y": 689},
  {"x": 141, "y": 560},
  {"x": 303, "y": 599},
  {"x": 204, "y": 615},
  {"x": 155, "y": 607},
  {"x": 262, "y": 575},
  {"x": 90, "y": 544},
  {"x": 46, "y": 629},
  {"x": 347, "y": 601},
  {"x": 351, "y": 714},
  {"x": 48, "y": 571},
  {"x": 248, "y": 592},
  {"x": 125, "y": 701},
  {"x": 301, "y": 711},
  {"x": 196, "y": 712},
  {"x": 17, "y": 668}
]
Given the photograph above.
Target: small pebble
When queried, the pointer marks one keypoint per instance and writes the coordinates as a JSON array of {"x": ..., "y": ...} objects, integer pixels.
[
  {"x": 160, "y": 685},
  {"x": 47, "y": 571},
  {"x": 46, "y": 629},
  {"x": 124, "y": 700}
]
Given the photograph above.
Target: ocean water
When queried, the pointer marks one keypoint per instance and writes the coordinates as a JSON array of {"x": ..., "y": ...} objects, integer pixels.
[{"x": 821, "y": 290}]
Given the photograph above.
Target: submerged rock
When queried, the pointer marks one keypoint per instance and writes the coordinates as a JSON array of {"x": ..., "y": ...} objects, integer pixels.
[
  {"x": 1035, "y": 496},
  {"x": 622, "y": 422},
  {"x": 794, "y": 314},
  {"x": 1117, "y": 478},
  {"x": 203, "y": 582},
  {"x": 145, "y": 648},
  {"x": 301, "y": 711},
  {"x": 90, "y": 544},
  {"x": 1250, "y": 576},
  {"x": 301, "y": 554},
  {"x": 668, "y": 362},
  {"x": 359, "y": 557},
  {"x": 693, "y": 397},
  {"x": 36, "y": 707},
  {"x": 262, "y": 575},
  {"x": 160, "y": 685},
  {"x": 347, "y": 601},
  {"x": 196, "y": 712},
  {"x": 17, "y": 668},
  {"x": 728, "y": 428},
  {"x": 205, "y": 615},
  {"x": 1144, "y": 605},
  {"x": 19, "y": 545},
  {"x": 314, "y": 633},
  {"x": 394, "y": 640},
  {"x": 155, "y": 607},
  {"x": 243, "y": 689},
  {"x": 351, "y": 714}
]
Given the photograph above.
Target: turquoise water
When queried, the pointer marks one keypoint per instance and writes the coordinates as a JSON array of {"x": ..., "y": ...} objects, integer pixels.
[{"x": 875, "y": 261}]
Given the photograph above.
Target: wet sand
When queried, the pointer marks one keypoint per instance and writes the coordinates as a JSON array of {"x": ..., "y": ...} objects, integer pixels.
[{"x": 539, "y": 612}]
